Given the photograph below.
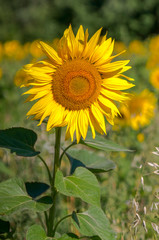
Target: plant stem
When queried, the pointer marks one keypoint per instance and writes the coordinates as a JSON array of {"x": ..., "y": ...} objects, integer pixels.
[
  {"x": 53, "y": 189},
  {"x": 74, "y": 143},
  {"x": 48, "y": 171},
  {"x": 61, "y": 221}
]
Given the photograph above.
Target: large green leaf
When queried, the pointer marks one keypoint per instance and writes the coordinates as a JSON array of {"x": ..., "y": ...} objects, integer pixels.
[
  {"x": 68, "y": 237},
  {"x": 19, "y": 140},
  {"x": 101, "y": 143},
  {"x": 91, "y": 160},
  {"x": 94, "y": 223},
  {"x": 13, "y": 197},
  {"x": 36, "y": 232},
  {"x": 82, "y": 184}
]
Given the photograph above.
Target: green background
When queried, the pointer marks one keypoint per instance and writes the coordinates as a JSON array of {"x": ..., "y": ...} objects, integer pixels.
[{"x": 26, "y": 20}]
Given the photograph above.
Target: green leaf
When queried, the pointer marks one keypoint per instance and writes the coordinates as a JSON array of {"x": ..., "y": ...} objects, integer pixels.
[
  {"x": 82, "y": 184},
  {"x": 19, "y": 140},
  {"x": 91, "y": 160},
  {"x": 35, "y": 189},
  {"x": 13, "y": 197},
  {"x": 95, "y": 238},
  {"x": 36, "y": 232},
  {"x": 75, "y": 218},
  {"x": 42, "y": 204},
  {"x": 68, "y": 237},
  {"x": 94, "y": 223},
  {"x": 101, "y": 143}
]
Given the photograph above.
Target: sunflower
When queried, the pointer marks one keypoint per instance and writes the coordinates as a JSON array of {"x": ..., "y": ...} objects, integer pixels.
[
  {"x": 154, "y": 78},
  {"x": 77, "y": 84},
  {"x": 138, "y": 111}
]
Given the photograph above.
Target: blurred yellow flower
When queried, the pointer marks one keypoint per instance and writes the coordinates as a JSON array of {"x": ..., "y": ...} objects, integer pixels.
[
  {"x": 154, "y": 78},
  {"x": 13, "y": 49},
  {"x": 140, "y": 137},
  {"x": 1, "y": 50},
  {"x": 153, "y": 60},
  {"x": 154, "y": 44},
  {"x": 138, "y": 111},
  {"x": 137, "y": 47},
  {"x": 77, "y": 84}
]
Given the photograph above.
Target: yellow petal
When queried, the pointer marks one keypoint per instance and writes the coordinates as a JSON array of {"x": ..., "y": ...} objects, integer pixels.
[
  {"x": 114, "y": 95},
  {"x": 47, "y": 112},
  {"x": 40, "y": 105},
  {"x": 92, "y": 44},
  {"x": 56, "y": 118},
  {"x": 39, "y": 76},
  {"x": 116, "y": 84},
  {"x": 95, "y": 123},
  {"x": 114, "y": 66},
  {"x": 78, "y": 133},
  {"x": 51, "y": 53},
  {"x": 80, "y": 41},
  {"x": 71, "y": 42},
  {"x": 98, "y": 116},
  {"x": 108, "y": 103},
  {"x": 83, "y": 122},
  {"x": 103, "y": 52}
]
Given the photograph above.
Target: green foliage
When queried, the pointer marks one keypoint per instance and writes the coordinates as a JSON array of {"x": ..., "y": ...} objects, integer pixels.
[
  {"x": 13, "y": 197},
  {"x": 82, "y": 184},
  {"x": 47, "y": 19},
  {"x": 90, "y": 160},
  {"x": 101, "y": 143},
  {"x": 35, "y": 189},
  {"x": 94, "y": 222},
  {"x": 36, "y": 232},
  {"x": 19, "y": 140}
]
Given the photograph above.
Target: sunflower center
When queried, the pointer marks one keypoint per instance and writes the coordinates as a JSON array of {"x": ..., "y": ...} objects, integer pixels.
[
  {"x": 79, "y": 85},
  {"x": 76, "y": 84}
]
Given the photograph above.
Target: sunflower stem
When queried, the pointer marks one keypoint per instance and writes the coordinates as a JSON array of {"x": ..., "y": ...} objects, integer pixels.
[
  {"x": 47, "y": 168},
  {"x": 53, "y": 189},
  {"x": 72, "y": 144}
]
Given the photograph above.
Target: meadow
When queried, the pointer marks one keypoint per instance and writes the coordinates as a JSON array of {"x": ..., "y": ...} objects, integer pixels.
[{"x": 129, "y": 193}]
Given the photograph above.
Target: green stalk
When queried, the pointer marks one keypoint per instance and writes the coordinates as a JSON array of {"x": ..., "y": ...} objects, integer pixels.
[
  {"x": 74, "y": 143},
  {"x": 53, "y": 189},
  {"x": 48, "y": 171},
  {"x": 61, "y": 221}
]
